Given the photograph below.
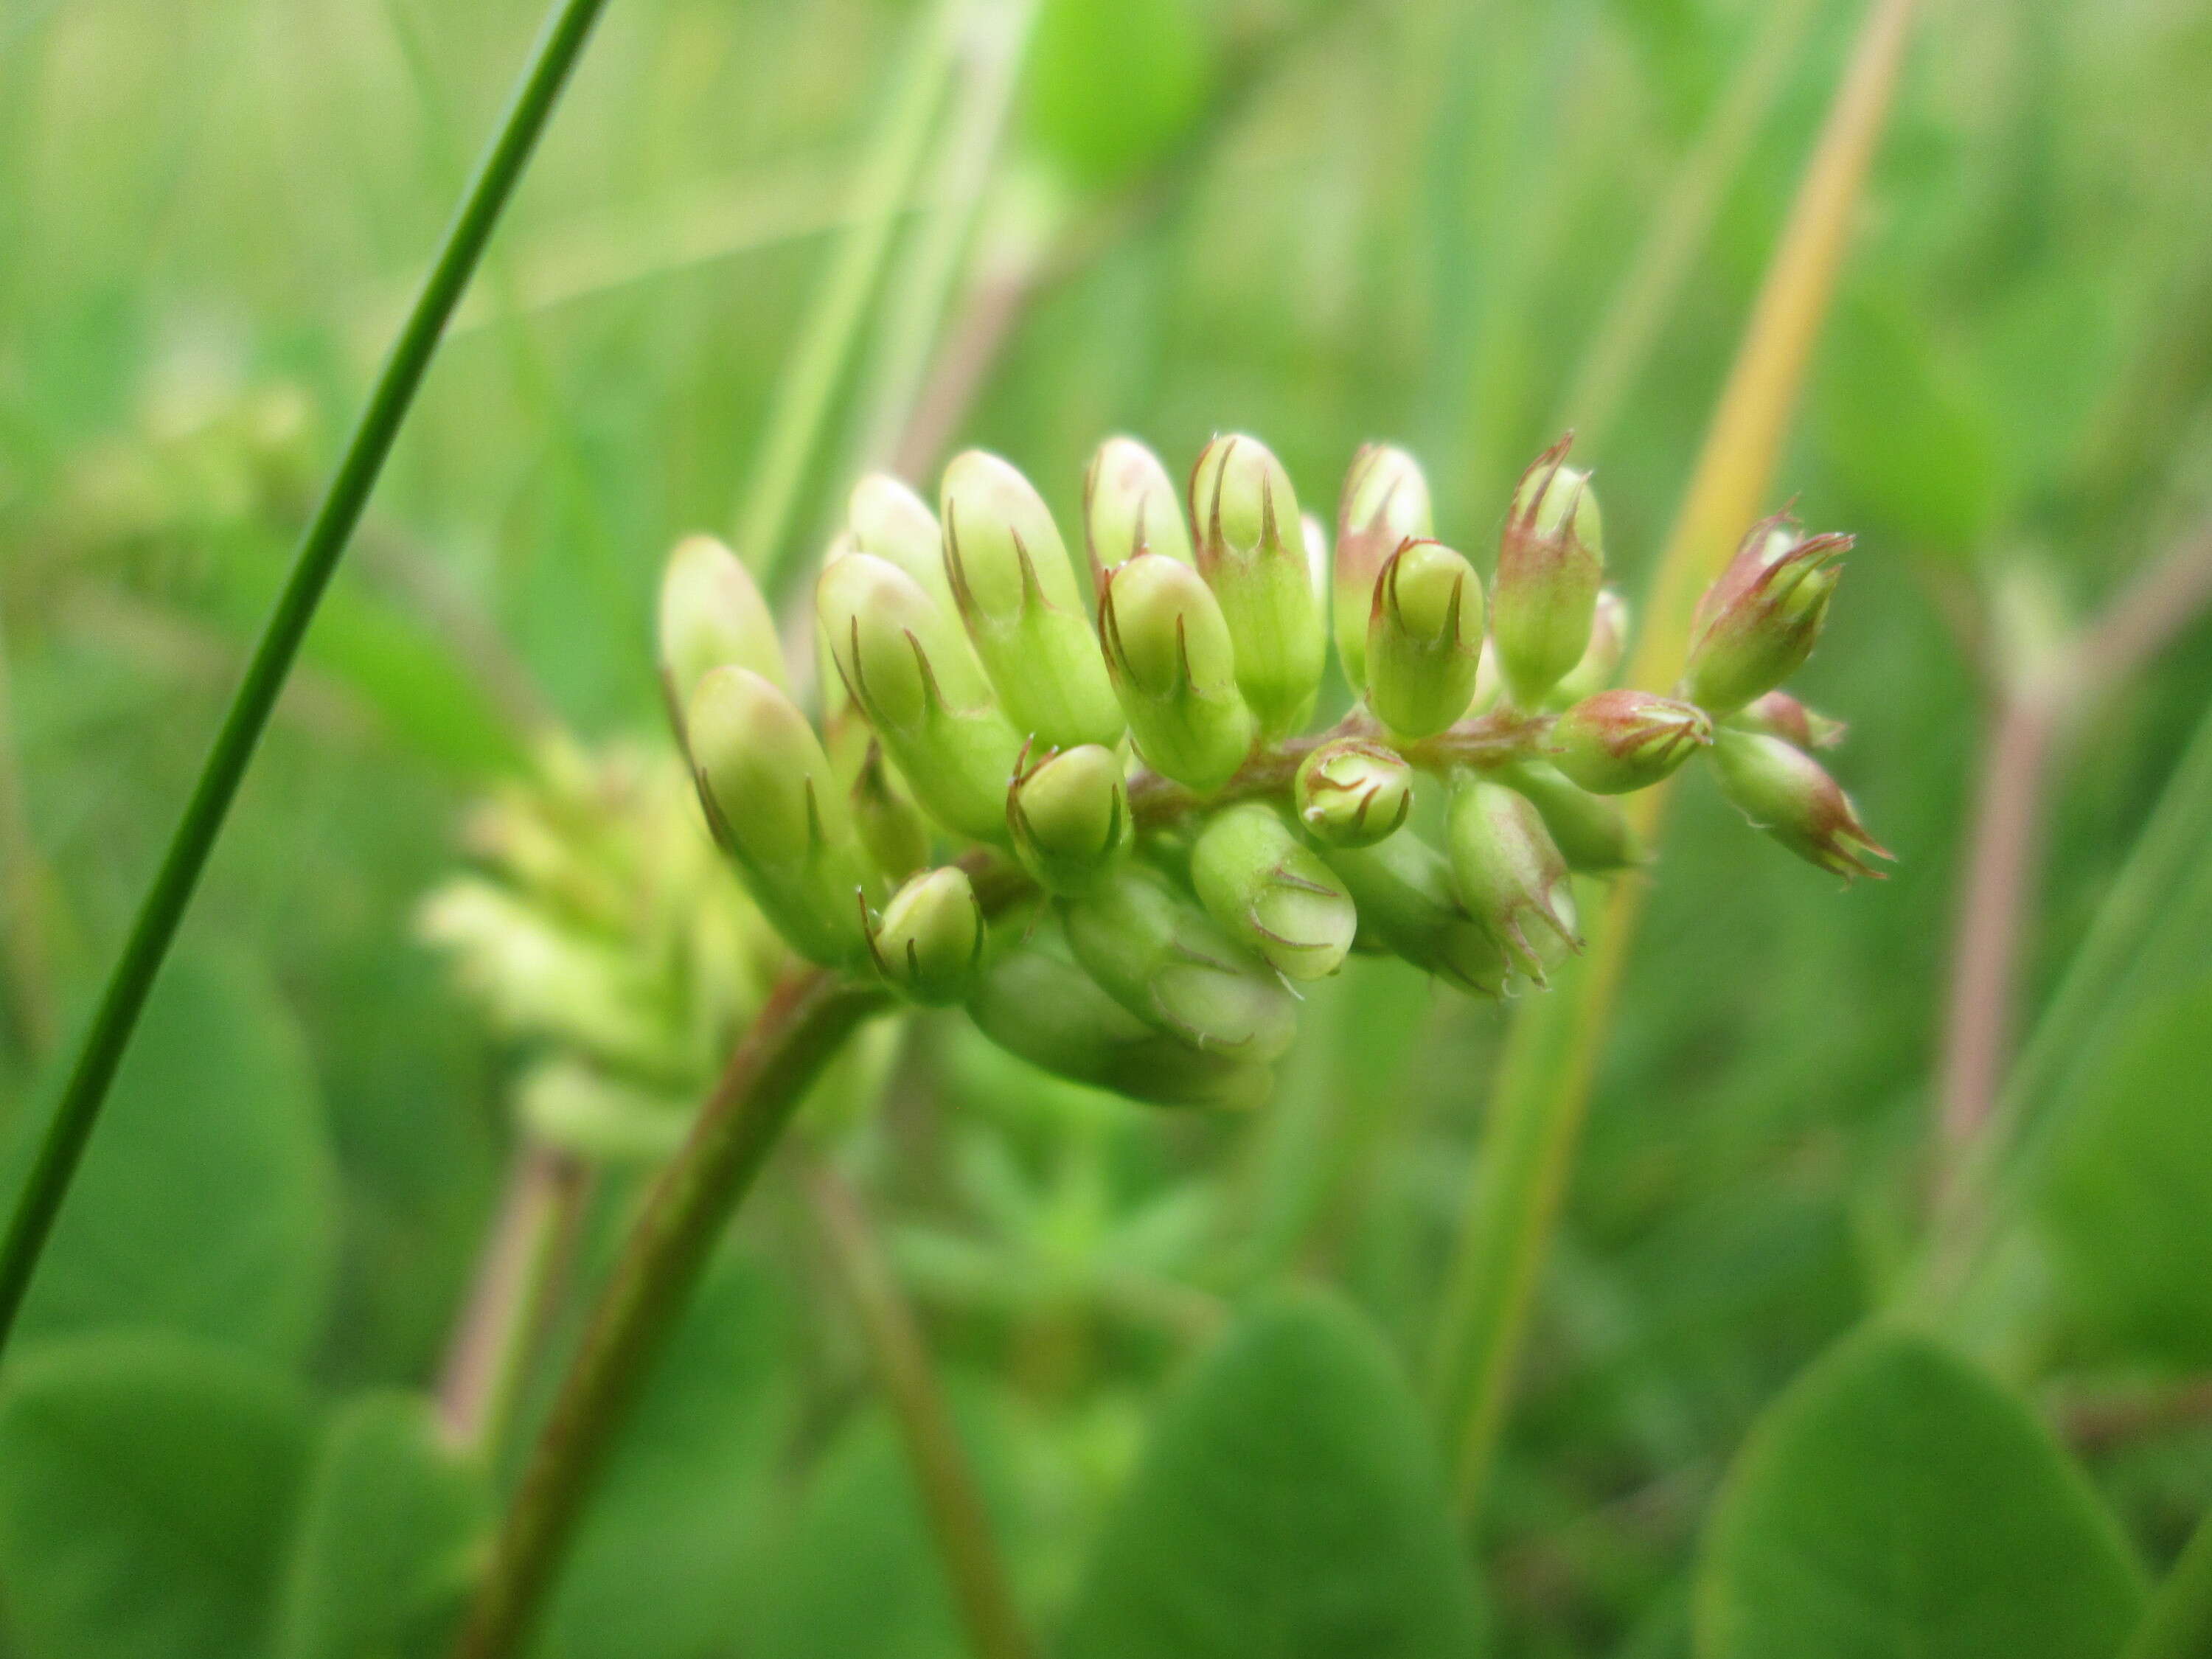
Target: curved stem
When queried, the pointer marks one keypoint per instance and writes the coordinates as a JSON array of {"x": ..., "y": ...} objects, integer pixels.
[
  {"x": 321, "y": 547},
  {"x": 809, "y": 1016}
]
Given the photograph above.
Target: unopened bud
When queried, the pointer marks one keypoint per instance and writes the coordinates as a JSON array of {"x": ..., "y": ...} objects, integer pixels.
[
  {"x": 1424, "y": 639},
  {"x": 885, "y": 519},
  {"x": 1317, "y": 537},
  {"x": 1614, "y": 742},
  {"x": 713, "y": 614},
  {"x": 1591, "y": 832},
  {"x": 1130, "y": 508},
  {"x": 1385, "y": 502},
  {"x": 1017, "y": 593},
  {"x": 1778, "y": 714},
  {"x": 1758, "y": 622},
  {"x": 1353, "y": 792},
  {"x": 1167, "y": 962},
  {"x": 1608, "y": 644},
  {"x": 928, "y": 943},
  {"x": 1167, "y": 648},
  {"x": 1272, "y": 893},
  {"x": 1551, "y": 560},
  {"x": 1786, "y": 792},
  {"x": 772, "y": 800},
  {"x": 1407, "y": 903},
  {"x": 1511, "y": 876},
  {"x": 1069, "y": 818},
  {"x": 891, "y": 826},
  {"x": 908, "y": 667},
  {"x": 1251, "y": 551},
  {"x": 1037, "y": 1004}
]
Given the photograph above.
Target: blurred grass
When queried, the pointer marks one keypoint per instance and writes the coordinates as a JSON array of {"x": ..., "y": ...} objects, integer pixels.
[{"x": 1413, "y": 228}]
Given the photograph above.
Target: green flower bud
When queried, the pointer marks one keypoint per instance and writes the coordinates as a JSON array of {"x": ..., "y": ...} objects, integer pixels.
[
  {"x": 1758, "y": 622},
  {"x": 1016, "y": 590},
  {"x": 1130, "y": 508},
  {"x": 1354, "y": 792},
  {"x": 1037, "y": 1005},
  {"x": 1316, "y": 539},
  {"x": 1069, "y": 817},
  {"x": 891, "y": 826},
  {"x": 887, "y": 520},
  {"x": 1407, "y": 903},
  {"x": 1550, "y": 561},
  {"x": 928, "y": 943},
  {"x": 1385, "y": 502},
  {"x": 1592, "y": 832},
  {"x": 1778, "y": 714},
  {"x": 1608, "y": 644},
  {"x": 1251, "y": 552},
  {"x": 772, "y": 800},
  {"x": 1272, "y": 893},
  {"x": 905, "y": 664},
  {"x": 1167, "y": 648},
  {"x": 712, "y": 613},
  {"x": 1424, "y": 639},
  {"x": 1166, "y": 961},
  {"x": 1786, "y": 792},
  {"x": 1489, "y": 683},
  {"x": 1511, "y": 876},
  {"x": 1616, "y": 741}
]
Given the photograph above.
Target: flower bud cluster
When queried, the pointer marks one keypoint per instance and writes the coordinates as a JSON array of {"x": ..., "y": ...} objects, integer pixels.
[{"x": 1083, "y": 809}]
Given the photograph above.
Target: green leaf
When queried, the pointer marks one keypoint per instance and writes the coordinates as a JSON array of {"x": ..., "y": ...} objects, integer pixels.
[
  {"x": 2127, "y": 1203},
  {"x": 206, "y": 1203},
  {"x": 1290, "y": 1505},
  {"x": 1894, "y": 1503},
  {"x": 146, "y": 1488},
  {"x": 1113, "y": 87},
  {"x": 655, "y": 1570},
  {"x": 393, "y": 1524}
]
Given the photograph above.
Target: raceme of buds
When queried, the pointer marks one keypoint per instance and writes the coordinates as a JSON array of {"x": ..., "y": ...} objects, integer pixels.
[
  {"x": 1353, "y": 792},
  {"x": 914, "y": 676},
  {"x": 1778, "y": 714},
  {"x": 712, "y": 613},
  {"x": 1551, "y": 559},
  {"x": 1133, "y": 915},
  {"x": 774, "y": 802},
  {"x": 1130, "y": 507},
  {"x": 1758, "y": 622},
  {"x": 1018, "y": 595},
  {"x": 1385, "y": 503},
  {"x": 1069, "y": 818},
  {"x": 928, "y": 943},
  {"x": 1786, "y": 792},
  {"x": 1511, "y": 876},
  {"x": 1272, "y": 893},
  {"x": 1251, "y": 551},
  {"x": 1166, "y": 960},
  {"x": 1608, "y": 644},
  {"x": 1167, "y": 647},
  {"x": 1618, "y": 741},
  {"x": 1424, "y": 639}
]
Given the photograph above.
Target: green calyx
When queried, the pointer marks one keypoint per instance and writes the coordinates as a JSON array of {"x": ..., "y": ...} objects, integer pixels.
[
  {"x": 1618, "y": 741},
  {"x": 928, "y": 942},
  {"x": 1169, "y": 654},
  {"x": 1130, "y": 508},
  {"x": 1551, "y": 561},
  {"x": 1757, "y": 624},
  {"x": 1424, "y": 639},
  {"x": 1512, "y": 876},
  {"x": 1016, "y": 591},
  {"x": 1272, "y": 893},
  {"x": 711, "y": 614},
  {"x": 773, "y": 801},
  {"x": 1251, "y": 550},
  {"x": 1385, "y": 504},
  {"x": 1353, "y": 792},
  {"x": 1068, "y": 815}
]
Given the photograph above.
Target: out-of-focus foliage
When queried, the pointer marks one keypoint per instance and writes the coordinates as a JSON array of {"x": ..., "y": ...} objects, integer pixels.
[{"x": 1330, "y": 221}]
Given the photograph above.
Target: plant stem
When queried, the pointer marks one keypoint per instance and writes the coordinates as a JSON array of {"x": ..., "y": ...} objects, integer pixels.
[
  {"x": 1519, "y": 1183},
  {"x": 2178, "y": 1623},
  {"x": 809, "y": 382},
  {"x": 957, "y": 1519},
  {"x": 809, "y": 1015},
  {"x": 323, "y": 544}
]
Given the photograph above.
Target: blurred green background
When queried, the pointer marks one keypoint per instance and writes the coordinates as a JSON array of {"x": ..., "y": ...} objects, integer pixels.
[{"x": 1323, "y": 222}]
